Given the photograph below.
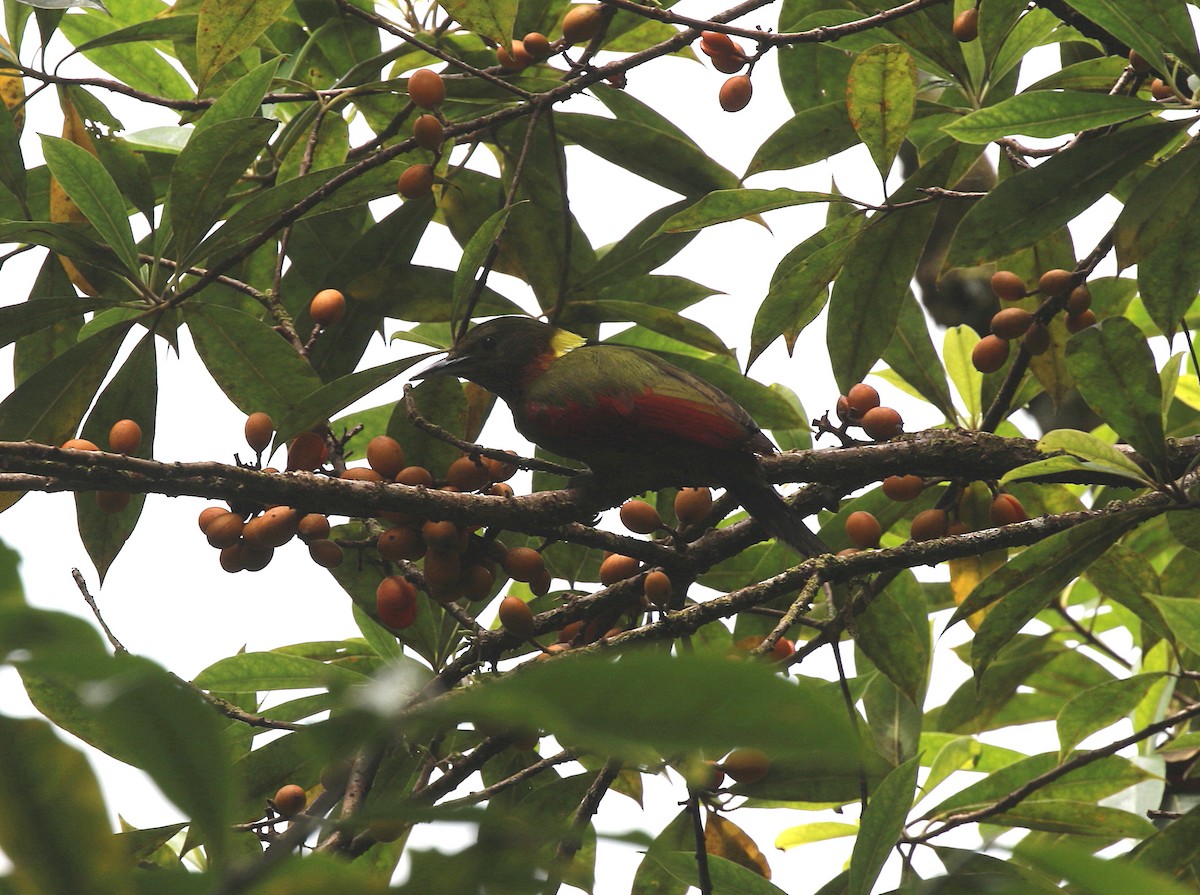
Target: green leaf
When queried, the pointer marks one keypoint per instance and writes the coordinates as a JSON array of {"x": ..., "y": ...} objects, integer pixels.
[
  {"x": 808, "y": 723},
  {"x": 490, "y": 18},
  {"x": 254, "y": 366},
  {"x": 1151, "y": 27},
  {"x": 721, "y": 206},
  {"x": 1089, "y": 875},
  {"x": 1113, "y": 367},
  {"x": 1096, "y": 454},
  {"x": 1169, "y": 275},
  {"x": 1157, "y": 205},
  {"x": 12, "y": 163},
  {"x": 1173, "y": 848},
  {"x": 1078, "y": 818},
  {"x": 138, "y": 65},
  {"x": 65, "y": 239},
  {"x": 873, "y": 285},
  {"x": 881, "y": 94},
  {"x": 92, "y": 188},
  {"x": 894, "y": 635},
  {"x": 48, "y": 406},
  {"x": 820, "y": 831},
  {"x": 473, "y": 256},
  {"x": 441, "y": 401},
  {"x": 252, "y": 672},
  {"x": 674, "y": 162},
  {"x": 242, "y": 99},
  {"x": 52, "y": 849},
  {"x": 1182, "y": 617},
  {"x": 338, "y": 395},
  {"x": 227, "y": 27},
  {"x": 809, "y": 136},
  {"x": 660, "y": 320},
  {"x": 881, "y": 826},
  {"x": 726, "y": 876},
  {"x": 1031, "y": 205},
  {"x": 800, "y": 285},
  {"x": 1097, "y": 707},
  {"x": 911, "y": 354},
  {"x": 1032, "y": 578},
  {"x": 174, "y": 735},
  {"x": 19, "y": 320},
  {"x": 1046, "y": 114},
  {"x": 208, "y": 167},
  {"x": 131, "y": 394},
  {"x": 1091, "y": 782}
]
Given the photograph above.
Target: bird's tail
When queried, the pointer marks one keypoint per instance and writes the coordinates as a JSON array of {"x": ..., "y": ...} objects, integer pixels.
[{"x": 769, "y": 510}]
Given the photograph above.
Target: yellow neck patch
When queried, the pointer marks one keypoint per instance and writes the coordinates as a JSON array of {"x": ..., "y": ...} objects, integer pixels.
[{"x": 563, "y": 341}]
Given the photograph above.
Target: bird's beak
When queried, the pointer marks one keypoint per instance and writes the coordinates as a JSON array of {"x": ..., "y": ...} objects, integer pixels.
[{"x": 447, "y": 366}]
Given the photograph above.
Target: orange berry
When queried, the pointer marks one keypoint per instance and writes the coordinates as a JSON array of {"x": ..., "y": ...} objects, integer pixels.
[
  {"x": 903, "y": 487},
  {"x": 124, "y": 437},
  {"x": 1082, "y": 320},
  {"x": 306, "y": 452},
  {"x": 208, "y": 514},
  {"x": 440, "y": 535},
  {"x": 514, "y": 59},
  {"x": 500, "y": 470},
  {"x": 582, "y": 22},
  {"x": 523, "y": 563},
  {"x": 617, "y": 568},
  {"x": 313, "y": 527},
  {"x": 1160, "y": 89},
  {"x": 1056, "y": 282},
  {"x": 540, "y": 583},
  {"x": 385, "y": 456},
  {"x": 414, "y": 476},
  {"x": 396, "y": 602},
  {"x": 112, "y": 502},
  {"x": 231, "y": 558},
  {"x": 929, "y": 524},
  {"x": 640, "y": 517},
  {"x": 1138, "y": 62},
  {"x": 881, "y": 423},
  {"x": 692, "y": 505},
  {"x": 746, "y": 765},
  {"x": 863, "y": 529},
  {"x": 477, "y": 581},
  {"x": 360, "y": 474},
  {"x": 80, "y": 444},
  {"x": 1007, "y": 510},
  {"x": 735, "y": 93},
  {"x": 326, "y": 554},
  {"x": 538, "y": 45},
  {"x": 966, "y": 25},
  {"x": 844, "y": 411},
  {"x": 415, "y": 181},
  {"x": 443, "y": 571},
  {"x": 516, "y": 617},
  {"x": 290, "y": 800},
  {"x": 862, "y": 398},
  {"x": 255, "y": 559},
  {"x": 467, "y": 475},
  {"x": 728, "y": 65},
  {"x": 327, "y": 308},
  {"x": 401, "y": 542},
  {"x": 657, "y": 587},
  {"x": 429, "y": 132},
  {"x": 274, "y": 528},
  {"x": 1009, "y": 323},
  {"x": 1036, "y": 339},
  {"x": 259, "y": 430},
  {"x": 224, "y": 530},
  {"x": 1079, "y": 300},
  {"x": 718, "y": 43},
  {"x": 426, "y": 88},
  {"x": 989, "y": 354},
  {"x": 1008, "y": 286}
]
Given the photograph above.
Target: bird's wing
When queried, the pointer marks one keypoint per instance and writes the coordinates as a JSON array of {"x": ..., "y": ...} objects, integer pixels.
[{"x": 616, "y": 392}]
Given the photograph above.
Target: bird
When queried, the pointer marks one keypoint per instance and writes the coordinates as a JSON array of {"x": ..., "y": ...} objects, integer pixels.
[{"x": 626, "y": 413}]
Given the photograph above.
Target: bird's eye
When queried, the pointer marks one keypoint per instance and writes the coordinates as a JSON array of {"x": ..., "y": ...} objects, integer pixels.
[{"x": 488, "y": 343}]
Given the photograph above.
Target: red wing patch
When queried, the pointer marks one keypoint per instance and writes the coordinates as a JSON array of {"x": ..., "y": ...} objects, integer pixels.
[{"x": 630, "y": 418}]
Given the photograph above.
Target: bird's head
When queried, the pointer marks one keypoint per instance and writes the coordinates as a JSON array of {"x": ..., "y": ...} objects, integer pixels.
[{"x": 506, "y": 354}]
